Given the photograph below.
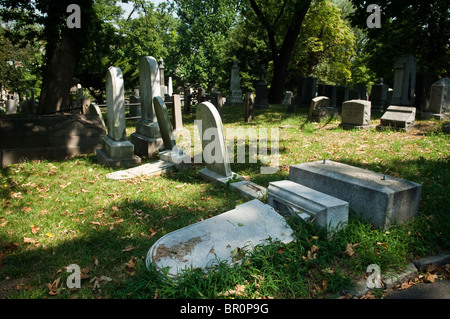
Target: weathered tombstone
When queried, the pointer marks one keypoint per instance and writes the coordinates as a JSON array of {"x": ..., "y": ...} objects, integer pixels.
[
  {"x": 356, "y": 114},
  {"x": 306, "y": 91},
  {"x": 261, "y": 99},
  {"x": 147, "y": 138},
  {"x": 116, "y": 149},
  {"x": 330, "y": 92},
  {"x": 362, "y": 90},
  {"x": 287, "y": 98},
  {"x": 170, "y": 86},
  {"x": 163, "y": 87},
  {"x": 235, "y": 85},
  {"x": 187, "y": 100},
  {"x": 424, "y": 81},
  {"x": 379, "y": 95},
  {"x": 201, "y": 95},
  {"x": 215, "y": 153},
  {"x": 353, "y": 94},
  {"x": 135, "y": 107},
  {"x": 377, "y": 198},
  {"x": 342, "y": 95},
  {"x": 404, "y": 81},
  {"x": 248, "y": 107},
  {"x": 440, "y": 99},
  {"x": 217, "y": 101},
  {"x": 11, "y": 105},
  {"x": 245, "y": 227},
  {"x": 320, "y": 109},
  {"x": 398, "y": 117},
  {"x": 177, "y": 118}
]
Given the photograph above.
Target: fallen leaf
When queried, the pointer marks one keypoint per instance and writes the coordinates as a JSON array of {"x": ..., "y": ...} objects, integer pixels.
[
  {"x": 53, "y": 288},
  {"x": 349, "y": 250},
  {"x": 95, "y": 261},
  {"x": 129, "y": 248},
  {"x": 281, "y": 250},
  {"x": 34, "y": 229},
  {"x": 131, "y": 264},
  {"x": 429, "y": 278},
  {"x": 29, "y": 240}
]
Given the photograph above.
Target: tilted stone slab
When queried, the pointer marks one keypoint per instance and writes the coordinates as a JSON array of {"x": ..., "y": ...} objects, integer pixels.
[
  {"x": 398, "y": 117},
  {"x": 380, "y": 199},
  {"x": 330, "y": 212},
  {"x": 149, "y": 169},
  {"x": 217, "y": 239}
]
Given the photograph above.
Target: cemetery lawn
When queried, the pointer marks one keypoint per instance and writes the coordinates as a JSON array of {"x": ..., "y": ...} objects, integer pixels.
[{"x": 54, "y": 214}]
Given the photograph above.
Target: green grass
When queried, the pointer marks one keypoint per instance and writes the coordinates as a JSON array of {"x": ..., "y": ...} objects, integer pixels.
[{"x": 53, "y": 214}]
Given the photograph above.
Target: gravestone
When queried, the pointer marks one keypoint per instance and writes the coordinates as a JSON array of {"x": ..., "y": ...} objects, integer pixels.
[
  {"x": 342, "y": 95},
  {"x": 217, "y": 101},
  {"x": 261, "y": 99},
  {"x": 404, "y": 81},
  {"x": 187, "y": 100},
  {"x": 215, "y": 153},
  {"x": 235, "y": 85},
  {"x": 147, "y": 138},
  {"x": 306, "y": 91},
  {"x": 177, "y": 118},
  {"x": 398, "y": 117},
  {"x": 424, "y": 82},
  {"x": 218, "y": 239},
  {"x": 354, "y": 94},
  {"x": 248, "y": 107},
  {"x": 116, "y": 149},
  {"x": 330, "y": 92},
  {"x": 171, "y": 152},
  {"x": 201, "y": 95},
  {"x": 162, "y": 81},
  {"x": 11, "y": 105},
  {"x": 135, "y": 107},
  {"x": 356, "y": 114},
  {"x": 362, "y": 92},
  {"x": 320, "y": 109},
  {"x": 440, "y": 99},
  {"x": 287, "y": 98},
  {"x": 290, "y": 198},
  {"x": 377, "y": 198},
  {"x": 170, "y": 86},
  {"x": 379, "y": 95}
]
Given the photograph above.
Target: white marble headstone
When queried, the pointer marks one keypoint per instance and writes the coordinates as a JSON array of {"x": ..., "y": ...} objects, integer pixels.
[{"x": 115, "y": 100}]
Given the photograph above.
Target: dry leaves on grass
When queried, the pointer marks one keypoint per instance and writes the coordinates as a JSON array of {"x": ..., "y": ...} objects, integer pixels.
[{"x": 239, "y": 290}]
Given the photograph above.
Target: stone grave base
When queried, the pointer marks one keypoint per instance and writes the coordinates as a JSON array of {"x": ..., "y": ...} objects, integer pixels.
[
  {"x": 104, "y": 159},
  {"x": 379, "y": 199},
  {"x": 146, "y": 146},
  {"x": 213, "y": 177},
  {"x": 218, "y": 239},
  {"x": 50, "y": 137},
  {"x": 398, "y": 118}
]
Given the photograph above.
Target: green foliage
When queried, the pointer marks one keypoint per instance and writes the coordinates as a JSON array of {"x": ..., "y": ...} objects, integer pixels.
[
  {"x": 414, "y": 27},
  {"x": 202, "y": 39}
]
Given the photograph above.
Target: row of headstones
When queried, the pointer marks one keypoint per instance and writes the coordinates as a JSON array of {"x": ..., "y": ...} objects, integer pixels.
[
  {"x": 28, "y": 105},
  {"x": 429, "y": 95}
]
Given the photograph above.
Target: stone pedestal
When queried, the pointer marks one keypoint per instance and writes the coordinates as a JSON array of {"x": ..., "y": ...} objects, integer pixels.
[{"x": 117, "y": 153}]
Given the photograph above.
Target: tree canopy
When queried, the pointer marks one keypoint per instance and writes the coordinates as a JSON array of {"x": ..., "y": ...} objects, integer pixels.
[{"x": 199, "y": 40}]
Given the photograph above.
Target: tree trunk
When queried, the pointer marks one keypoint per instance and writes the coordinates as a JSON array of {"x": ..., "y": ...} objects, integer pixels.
[
  {"x": 58, "y": 76},
  {"x": 282, "y": 56}
]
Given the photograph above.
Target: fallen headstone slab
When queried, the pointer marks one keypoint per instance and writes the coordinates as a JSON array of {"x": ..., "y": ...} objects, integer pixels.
[
  {"x": 218, "y": 239},
  {"x": 292, "y": 198},
  {"x": 398, "y": 117},
  {"x": 379, "y": 199},
  {"x": 149, "y": 169}
]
